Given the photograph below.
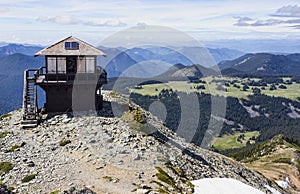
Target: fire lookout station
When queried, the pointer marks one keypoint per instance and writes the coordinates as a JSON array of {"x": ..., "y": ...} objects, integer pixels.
[{"x": 71, "y": 80}]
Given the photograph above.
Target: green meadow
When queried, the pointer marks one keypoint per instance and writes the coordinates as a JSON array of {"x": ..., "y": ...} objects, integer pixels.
[
  {"x": 211, "y": 86},
  {"x": 231, "y": 141}
]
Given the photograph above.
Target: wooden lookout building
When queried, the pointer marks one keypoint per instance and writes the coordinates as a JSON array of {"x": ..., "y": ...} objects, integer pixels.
[{"x": 71, "y": 80}]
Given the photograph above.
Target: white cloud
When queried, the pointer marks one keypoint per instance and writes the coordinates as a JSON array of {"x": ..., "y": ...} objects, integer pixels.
[
  {"x": 288, "y": 11},
  {"x": 285, "y": 11},
  {"x": 243, "y": 21},
  {"x": 70, "y": 20},
  {"x": 66, "y": 20},
  {"x": 106, "y": 23},
  {"x": 267, "y": 22}
]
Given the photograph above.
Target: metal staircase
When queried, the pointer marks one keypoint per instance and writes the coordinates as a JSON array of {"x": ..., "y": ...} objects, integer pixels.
[{"x": 30, "y": 114}]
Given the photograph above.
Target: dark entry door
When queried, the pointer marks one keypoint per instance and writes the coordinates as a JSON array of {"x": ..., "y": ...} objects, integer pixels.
[{"x": 71, "y": 65}]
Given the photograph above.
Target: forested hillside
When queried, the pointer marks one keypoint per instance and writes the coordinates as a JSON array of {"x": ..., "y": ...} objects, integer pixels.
[{"x": 273, "y": 115}]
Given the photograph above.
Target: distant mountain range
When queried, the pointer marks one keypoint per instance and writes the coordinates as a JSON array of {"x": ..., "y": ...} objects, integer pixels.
[
  {"x": 262, "y": 64},
  {"x": 143, "y": 63},
  {"x": 275, "y": 46},
  {"x": 19, "y": 48},
  {"x": 259, "y": 64},
  {"x": 152, "y": 61},
  {"x": 221, "y": 54}
]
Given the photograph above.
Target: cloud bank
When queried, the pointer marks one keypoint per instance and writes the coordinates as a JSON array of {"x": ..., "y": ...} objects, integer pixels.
[
  {"x": 288, "y": 11},
  {"x": 283, "y": 12},
  {"x": 70, "y": 20}
]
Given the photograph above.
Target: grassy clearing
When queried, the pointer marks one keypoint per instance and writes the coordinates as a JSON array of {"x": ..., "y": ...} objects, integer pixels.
[
  {"x": 292, "y": 92},
  {"x": 277, "y": 157},
  {"x": 231, "y": 141},
  {"x": 181, "y": 86},
  {"x": 155, "y": 89}
]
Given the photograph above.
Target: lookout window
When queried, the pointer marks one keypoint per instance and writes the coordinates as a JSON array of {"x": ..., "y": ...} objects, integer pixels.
[{"x": 71, "y": 45}]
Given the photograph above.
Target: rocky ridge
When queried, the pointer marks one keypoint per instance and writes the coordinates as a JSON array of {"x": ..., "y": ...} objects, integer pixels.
[{"x": 122, "y": 149}]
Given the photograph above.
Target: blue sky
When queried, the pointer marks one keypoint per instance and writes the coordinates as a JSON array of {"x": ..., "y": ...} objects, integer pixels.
[{"x": 46, "y": 21}]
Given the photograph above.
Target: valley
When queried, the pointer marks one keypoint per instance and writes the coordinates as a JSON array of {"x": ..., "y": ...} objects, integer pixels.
[{"x": 258, "y": 112}]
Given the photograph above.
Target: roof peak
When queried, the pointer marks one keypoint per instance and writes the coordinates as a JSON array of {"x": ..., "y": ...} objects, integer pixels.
[{"x": 59, "y": 48}]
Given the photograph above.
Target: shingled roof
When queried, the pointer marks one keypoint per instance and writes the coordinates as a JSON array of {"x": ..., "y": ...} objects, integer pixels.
[{"x": 59, "y": 49}]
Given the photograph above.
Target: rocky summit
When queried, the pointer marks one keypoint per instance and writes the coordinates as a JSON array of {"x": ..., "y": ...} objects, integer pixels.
[{"x": 121, "y": 149}]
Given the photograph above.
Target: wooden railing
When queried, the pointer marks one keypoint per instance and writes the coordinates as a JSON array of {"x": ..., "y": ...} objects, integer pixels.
[{"x": 43, "y": 77}]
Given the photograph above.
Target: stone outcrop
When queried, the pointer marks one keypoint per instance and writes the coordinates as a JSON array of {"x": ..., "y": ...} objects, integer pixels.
[{"x": 112, "y": 151}]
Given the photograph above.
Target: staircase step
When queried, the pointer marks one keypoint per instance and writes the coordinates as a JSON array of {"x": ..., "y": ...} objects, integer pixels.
[
  {"x": 29, "y": 98},
  {"x": 29, "y": 123}
]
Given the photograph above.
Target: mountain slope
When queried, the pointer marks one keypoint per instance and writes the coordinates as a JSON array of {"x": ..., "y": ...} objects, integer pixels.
[
  {"x": 116, "y": 61},
  {"x": 179, "y": 72},
  {"x": 141, "y": 54},
  {"x": 19, "y": 48},
  {"x": 222, "y": 54},
  {"x": 171, "y": 56},
  {"x": 264, "y": 64},
  {"x": 294, "y": 57},
  {"x": 131, "y": 151},
  {"x": 277, "y": 159},
  {"x": 15, "y": 64},
  {"x": 11, "y": 76}
]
